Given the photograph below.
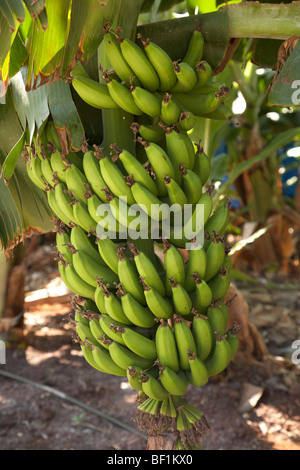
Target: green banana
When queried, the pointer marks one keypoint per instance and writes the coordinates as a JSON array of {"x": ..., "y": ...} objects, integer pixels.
[
  {"x": 160, "y": 162},
  {"x": 76, "y": 181},
  {"x": 147, "y": 201},
  {"x": 147, "y": 270},
  {"x": 197, "y": 104},
  {"x": 90, "y": 270},
  {"x": 62, "y": 241},
  {"x": 85, "y": 335},
  {"x": 216, "y": 320},
  {"x": 187, "y": 121},
  {"x": 96, "y": 330},
  {"x": 133, "y": 377},
  {"x": 93, "y": 175},
  {"x": 219, "y": 284},
  {"x": 82, "y": 242},
  {"x": 175, "y": 193},
  {"x": 202, "y": 165},
  {"x": 215, "y": 257},
  {"x": 129, "y": 276},
  {"x": 140, "y": 64},
  {"x": 160, "y": 306},
  {"x": 218, "y": 221},
  {"x": 195, "y": 49},
  {"x": 108, "y": 252},
  {"x": 33, "y": 167},
  {"x": 232, "y": 337},
  {"x": 192, "y": 185},
  {"x": 99, "y": 297},
  {"x": 202, "y": 296},
  {"x": 55, "y": 207},
  {"x": 64, "y": 201},
  {"x": 177, "y": 150},
  {"x": 196, "y": 263},
  {"x": 113, "y": 51},
  {"x": 125, "y": 358},
  {"x": 46, "y": 169},
  {"x": 152, "y": 387},
  {"x": 106, "y": 363},
  {"x": 82, "y": 216},
  {"x": 219, "y": 359},
  {"x": 148, "y": 132},
  {"x": 181, "y": 299},
  {"x": 119, "y": 213},
  {"x": 134, "y": 168},
  {"x": 161, "y": 62},
  {"x": 58, "y": 166},
  {"x": 113, "y": 307},
  {"x": 198, "y": 375},
  {"x": 185, "y": 342},
  {"x": 88, "y": 356},
  {"x": 139, "y": 344},
  {"x": 135, "y": 311},
  {"x": 204, "y": 74},
  {"x": 166, "y": 348},
  {"x": 113, "y": 177},
  {"x": 93, "y": 93},
  {"x": 121, "y": 95},
  {"x": 203, "y": 335},
  {"x": 104, "y": 216},
  {"x": 175, "y": 383},
  {"x": 112, "y": 328},
  {"x": 78, "y": 70},
  {"x": 186, "y": 77},
  {"x": 170, "y": 111},
  {"x": 174, "y": 266},
  {"x": 145, "y": 101}
]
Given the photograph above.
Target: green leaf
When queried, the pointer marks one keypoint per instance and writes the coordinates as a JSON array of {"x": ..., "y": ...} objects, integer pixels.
[{"x": 10, "y": 162}]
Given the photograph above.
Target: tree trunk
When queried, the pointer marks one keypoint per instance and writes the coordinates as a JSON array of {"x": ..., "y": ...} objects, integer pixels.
[{"x": 163, "y": 442}]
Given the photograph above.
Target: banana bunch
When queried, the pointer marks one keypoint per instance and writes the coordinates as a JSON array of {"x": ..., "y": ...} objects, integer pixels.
[
  {"x": 144, "y": 81},
  {"x": 160, "y": 322}
]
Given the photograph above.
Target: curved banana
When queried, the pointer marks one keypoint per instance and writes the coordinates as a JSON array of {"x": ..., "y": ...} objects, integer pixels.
[
  {"x": 147, "y": 201},
  {"x": 88, "y": 356},
  {"x": 82, "y": 216},
  {"x": 147, "y": 270},
  {"x": 195, "y": 49},
  {"x": 90, "y": 270},
  {"x": 148, "y": 132},
  {"x": 58, "y": 166},
  {"x": 93, "y": 175},
  {"x": 170, "y": 111},
  {"x": 202, "y": 165},
  {"x": 106, "y": 363},
  {"x": 181, "y": 299},
  {"x": 219, "y": 359},
  {"x": 202, "y": 296},
  {"x": 204, "y": 73},
  {"x": 166, "y": 348},
  {"x": 175, "y": 193},
  {"x": 232, "y": 337},
  {"x": 140, "y": 64},
  {"x": 187, "y": 121},
  {"x": 139, "y": 344},
  {"x": 146, "y": 101},
  {"x": 152, "y": 387},
  {"x": 159, "y": 305},
  {"x": 196, "y": 263},
  {"x": 126, "y": 358},
  {"x": 112, "y": 328},
  {"x": 186, "y": 78},
  {"x": 99, "y": 297},
  {"x": 46, "y": 169},
  {"x": 97, "y": 332},
  {"x": 133, "y": 377},
  {"x": 219, "y": 284},
  {"x": 218, "y": 221},
  {"x": 216, "y": 320},
  {"x": 203, "y": 335},
  {"x": 215, "y": 257},
  {"x": 93, "y": 93},
  {"x": 62, "y": 242},
  {"x": 185, "y": 342},
  {"x": 192, "y": 185},
  {"x": 82, "y": 242},
  {"x": 199, "y": 105},
  {"x": 55, "y": 207},
  {"x": 76, "y": 181},
  {"x": 121, "y": 95},
  {"x": 161, "y": 62},
  {"x": 113, "y": 307},
  {"x": 174, "y": 266},
  {"x": 198, "y": 375},
  {"x": 134, "y": 168},
  {"x": 64, "y": 201},
  {"x": 129, "y": 276},
  {"x": 135, "y": 311},
  {"x": 175, "y": 383},
  {"x": 33, "y": 167},
  {"x": 108, "y": 252},
  {"x": 177, "y": 150}
]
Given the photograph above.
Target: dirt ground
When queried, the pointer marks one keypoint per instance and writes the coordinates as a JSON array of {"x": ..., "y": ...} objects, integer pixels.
[{"x": 32, "y": 418}]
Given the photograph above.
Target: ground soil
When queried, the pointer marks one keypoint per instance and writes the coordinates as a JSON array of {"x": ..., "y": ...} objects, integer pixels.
[{"x": 33, "y": 418}]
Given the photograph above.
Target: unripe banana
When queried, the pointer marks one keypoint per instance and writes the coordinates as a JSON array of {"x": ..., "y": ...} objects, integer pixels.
[
  {"x": 85, "y": 335},
  {"x": 62, "y": 241},
  {"x": 204, "y": 73},
  {"x": 46, "y": 169},
  {"x": 116, "y": 59},
  {"x": 147, "y": 270},
  {"x": 175, "y": 193},
  {"x": 33, "y": 167},
  {"x": 215, "y": 257},
  {"x": 203, "y": 335},
  {"x": 139, "y": 344},
  {"x": 219, "y": 359},
  {"x": 148, "y": 132},
  {"x": 76, "y": 181},
  {"x": 93, "y": 175},
  {"x": 174, "y": 266},
  {"x": 177, "y": 151},
  {"x": 195, "y": 49},
  {"x": 187, "y": 121},
  {"x": 181, "y": 299},
  {"x": 219, "y": 284},
  {"x": 160, "y": 306},
  {"x": 106, "y": 363},
  {"x": 162, "y": 64},
  {"x": 196, "y": 263},
  {"x": 153, "y": 387},
  {"x": 82, "y": 242},
  {"x": 113, "y": 307},
  {"x": 135, "y": 311},
  {"x": 93, "y": 93},
  {"x": 113, "y": 177},
  {"x": 225, "y": 310},
  {"x": 232, "y": 337},
  {"x": 99, "y": 297},
  {"x": 88, "y": 356},
  {"x": 58, "y": 166},
  {"x": 108, "y": 252},
  {"x": 199, "y": 105},
  {"x": 175, "y": 383},
  {"x": 120, "y": 93},
  {"x": 218, "y": 221},
  {"x": 129, "y": 276},
  {"x": 119, "y": 213},
  {"x": 140, "y": 64},
  {"x": 166, "y": 348},
  {"x": 216, "y": 320},
  {"x": 134, "y": 168},
  {"x": 202, "y": 165},
  {"x": 160, "y": 162},
  {"x": 192, "y": 185},
  {"x": 186, "y": 78},
  {"x": 202, "y": 296},
  {"x": 64, "y": 201},
  {"x": 146, "y": 101},
  {"x": 112, "y": 328},
  {"x": 198, "y": 375},
  {"x": 97, "y": 331},
  {"x": 55, "y": 207},
  {"x": 90, "y": 270},
  {"x": 170, "y": 111},
  {"x": 133, "y": 377},
  {"x": 78, "y": 70},
  {"x": 148, "y": 202},
  {"x": 82, "y": 216},
  {"x": 125, "y": 358},
  {"x": 185, "y": 342}
]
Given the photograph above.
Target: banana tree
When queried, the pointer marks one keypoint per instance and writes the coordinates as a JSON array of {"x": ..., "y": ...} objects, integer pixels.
[{"x": 66, "y": 108}]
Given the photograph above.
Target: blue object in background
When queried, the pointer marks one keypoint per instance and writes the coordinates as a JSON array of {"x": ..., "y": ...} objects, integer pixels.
[{"x": 287, "y": 162}]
